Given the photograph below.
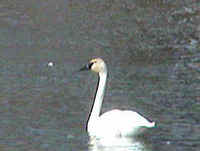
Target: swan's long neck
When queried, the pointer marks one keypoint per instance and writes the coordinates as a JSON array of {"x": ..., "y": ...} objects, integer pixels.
[{"x": 98, "y": 100}]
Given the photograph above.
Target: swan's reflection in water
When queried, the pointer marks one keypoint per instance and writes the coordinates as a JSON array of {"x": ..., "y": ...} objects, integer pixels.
[{"x": 116, "y": 144}]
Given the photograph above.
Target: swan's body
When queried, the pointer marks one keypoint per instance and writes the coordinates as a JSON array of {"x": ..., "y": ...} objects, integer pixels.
[{"x": 115, "y": 122}]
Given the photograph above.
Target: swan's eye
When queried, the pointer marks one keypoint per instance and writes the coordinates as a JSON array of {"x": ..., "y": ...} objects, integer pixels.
[{"x": 90, "y": 65}]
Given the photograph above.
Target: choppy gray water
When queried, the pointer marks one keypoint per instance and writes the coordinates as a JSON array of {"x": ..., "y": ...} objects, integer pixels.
[{"x": 152, "y": 51}]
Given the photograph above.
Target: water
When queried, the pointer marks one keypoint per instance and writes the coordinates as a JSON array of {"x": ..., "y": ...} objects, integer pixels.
[{"x": 152, "y": 52}]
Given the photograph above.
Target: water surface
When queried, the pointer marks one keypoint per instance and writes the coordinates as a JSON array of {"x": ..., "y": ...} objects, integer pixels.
[{"x": 152, "y": 52}]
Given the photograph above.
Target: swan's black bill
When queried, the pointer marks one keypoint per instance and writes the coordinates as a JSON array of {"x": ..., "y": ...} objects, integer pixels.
[{"x": 86, "y": 67}]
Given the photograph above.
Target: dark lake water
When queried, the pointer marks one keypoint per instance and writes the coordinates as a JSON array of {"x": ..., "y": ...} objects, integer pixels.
[{"x": 152, "y": 51}]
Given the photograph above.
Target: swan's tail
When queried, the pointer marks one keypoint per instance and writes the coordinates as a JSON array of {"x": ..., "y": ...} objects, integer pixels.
[{"x": 150, "y": 124}]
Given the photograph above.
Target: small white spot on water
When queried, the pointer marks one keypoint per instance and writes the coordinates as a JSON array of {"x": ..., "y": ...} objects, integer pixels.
[
  {"x": 50, "y": 64},
  {"x": 168, "y": 142}
]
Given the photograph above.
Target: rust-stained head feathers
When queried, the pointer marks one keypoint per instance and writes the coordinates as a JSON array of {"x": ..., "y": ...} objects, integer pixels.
[{"x": 96, "y": 65}]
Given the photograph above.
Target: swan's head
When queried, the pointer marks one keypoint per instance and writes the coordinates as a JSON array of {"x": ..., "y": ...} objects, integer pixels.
[{"x": 97, "y": 65}]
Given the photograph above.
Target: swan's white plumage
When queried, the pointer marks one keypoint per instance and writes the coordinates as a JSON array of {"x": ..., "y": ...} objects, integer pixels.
[{"x": 115, "y": 122}]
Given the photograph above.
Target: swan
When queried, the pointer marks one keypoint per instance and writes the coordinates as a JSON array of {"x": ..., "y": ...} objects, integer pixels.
[{"x": 114, "y": 123}]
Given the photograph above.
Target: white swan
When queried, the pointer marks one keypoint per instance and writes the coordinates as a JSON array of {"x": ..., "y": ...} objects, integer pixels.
[{"x": 115, "y": 122}]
